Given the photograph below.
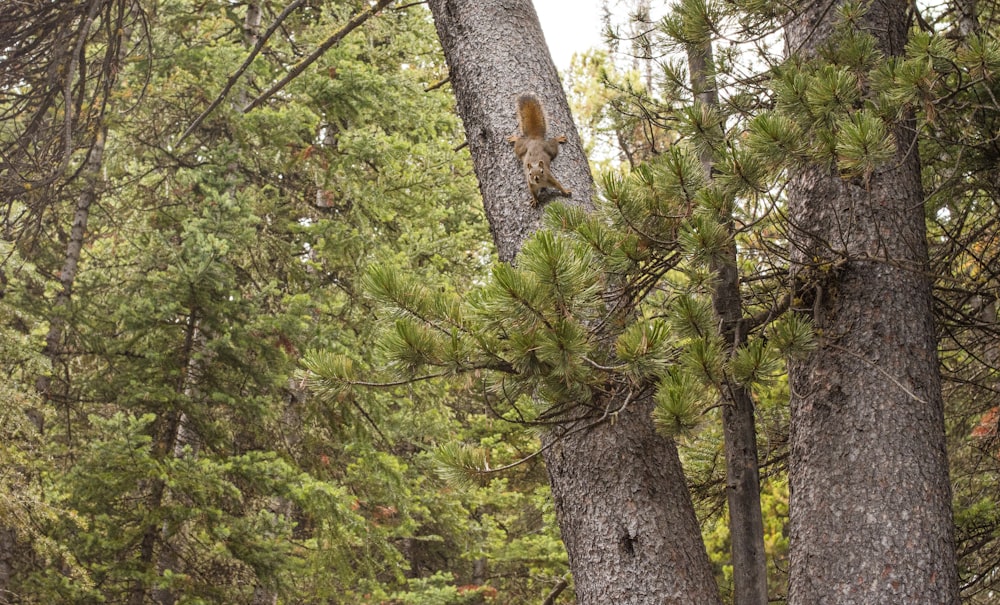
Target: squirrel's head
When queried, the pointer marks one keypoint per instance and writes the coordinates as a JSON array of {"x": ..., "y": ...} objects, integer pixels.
[{"x": 536, "y": 171}]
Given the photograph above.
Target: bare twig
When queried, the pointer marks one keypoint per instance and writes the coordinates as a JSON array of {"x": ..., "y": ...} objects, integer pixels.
[
  {"x": 438, "y": 84},
  {"x": 406, "y": 6},
  {"x": 556, "y": 590}
]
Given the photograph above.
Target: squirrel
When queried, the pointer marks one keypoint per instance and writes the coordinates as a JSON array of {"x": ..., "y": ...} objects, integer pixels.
[{"x": 532, "y": 148}]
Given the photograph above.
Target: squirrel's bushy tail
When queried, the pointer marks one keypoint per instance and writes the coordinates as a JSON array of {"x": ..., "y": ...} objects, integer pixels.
[{"x": 530, "y": 116}]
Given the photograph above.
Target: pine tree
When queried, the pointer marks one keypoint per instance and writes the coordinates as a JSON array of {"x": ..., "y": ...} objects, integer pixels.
[
  {"x": 870, "y": 392},
  {"x": 182, "y": 462},
  {"x": 588, "y": 456}
]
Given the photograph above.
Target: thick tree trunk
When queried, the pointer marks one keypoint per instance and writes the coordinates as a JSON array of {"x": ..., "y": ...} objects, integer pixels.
[
  {"x": 621, "y": 500},
  {"x": 495, "y": 51},
  {"x": 870, "y": 499},
  {"x": 625, "y": 514}
]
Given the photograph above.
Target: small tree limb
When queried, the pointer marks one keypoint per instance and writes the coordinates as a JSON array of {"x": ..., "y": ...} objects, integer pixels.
[
  {"x": 242, "y": 68},
  {"x": 316, "y": 54},
  {"x": 556, "y": 591}
]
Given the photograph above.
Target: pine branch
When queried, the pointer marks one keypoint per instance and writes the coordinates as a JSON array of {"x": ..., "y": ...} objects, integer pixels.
[
  {"x": 556, "y": 590},
  {"x": 316, "y": 54},
  {"x": 579, "y": 426},
  {"x": 768, "y": 315},
  {"x": 242, "y": 68}
]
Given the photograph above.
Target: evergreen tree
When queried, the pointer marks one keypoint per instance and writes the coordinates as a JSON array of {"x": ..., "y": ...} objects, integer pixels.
[
  {"x": 645, "y": 518},
  {"x": 871, "y": 390},
  {"x": 257, "y": 349},
  {"x": 182, "y": 462}
]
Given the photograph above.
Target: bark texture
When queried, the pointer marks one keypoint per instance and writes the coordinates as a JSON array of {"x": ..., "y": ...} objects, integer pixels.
[
  {"x": 621, "y": 500},
  {"x": 495, "y": 51},
  {"x": 92, "y": 183},
  {"x": 870, "y": 498},
  {"x": 626, "y": 517}
]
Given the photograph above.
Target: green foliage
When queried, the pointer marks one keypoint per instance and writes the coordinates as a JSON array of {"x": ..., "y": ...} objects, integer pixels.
[
  {"x": 692, "y": 22},
  {"x": 209, "y": 266},
  {"x": 680, "y": 403},
  {"x": 692, "y": 316},
  {"x": 177, "y": 415},
  {"x": 756, "y": 362},
  {"x": 704, "y": 239},
  {"x": 863, "y": 143},
  {"x": 792, "y": 335},
  {"x": 438, "y": 589},
  {"x": 774, "y": 137},
  {"x": 462, "y": 465},
  {"x": 644, "y": 349},
  {"x": 774, "y": 504}
]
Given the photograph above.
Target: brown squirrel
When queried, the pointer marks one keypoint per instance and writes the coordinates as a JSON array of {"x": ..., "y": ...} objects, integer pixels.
[{"x": 534, "y": 151}]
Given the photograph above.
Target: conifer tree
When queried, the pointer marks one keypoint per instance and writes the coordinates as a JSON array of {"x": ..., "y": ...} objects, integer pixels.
[
  {"x": 179, "y": 465},
  {"x": 779, "y": 224},
  {"x": 842, "y": 118},
  {"x": 870, "y": 499},
  {"x": 641, "y": 543},
  {"x": 693, "y": 29}
]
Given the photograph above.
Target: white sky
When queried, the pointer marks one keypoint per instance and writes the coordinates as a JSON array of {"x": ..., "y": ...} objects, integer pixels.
[{"x": 570, "y": 26}]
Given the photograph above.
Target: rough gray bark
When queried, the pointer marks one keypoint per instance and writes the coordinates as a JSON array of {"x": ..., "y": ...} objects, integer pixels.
[
  {"x": 496, "y": 51},
  {"x": 967, "y": 17},
  {"x": 626, "y": 516},
  {"x": 870, "y": 498},
  {"x": 621, "y": 499},
  {"x": 746, "y": 522}
]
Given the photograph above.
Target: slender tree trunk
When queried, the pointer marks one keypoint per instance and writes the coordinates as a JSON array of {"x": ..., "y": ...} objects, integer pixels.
[
  {"x": 172, "y": 434},
  {"x": 147, "y": 546},
  {"x": 8, "y": 552},
  {"x": 74, "y": 248},
  {"x": 620, "y": 496},
  {"x": 870, "y": 499},
  {"x": 181, "y": 440},
  {"x": 746, "y": 522},
  {"x": 968, "y": 17}
]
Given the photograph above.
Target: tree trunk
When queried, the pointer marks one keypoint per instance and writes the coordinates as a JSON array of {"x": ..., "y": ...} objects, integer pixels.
[
  {"x": 746, "y": 522},
  {"x": 620, "y": 496},
  {"x": 495, "y": 51},
  {"x": 626, "y": 516},
  {"x": 870, "y": 499},
  {"x": 173, "y": 433},
  {"x": 74, "y": 248}
]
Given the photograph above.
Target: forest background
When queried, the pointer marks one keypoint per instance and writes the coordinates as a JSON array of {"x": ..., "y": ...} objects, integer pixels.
[{"x": 259, "y": 344}]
